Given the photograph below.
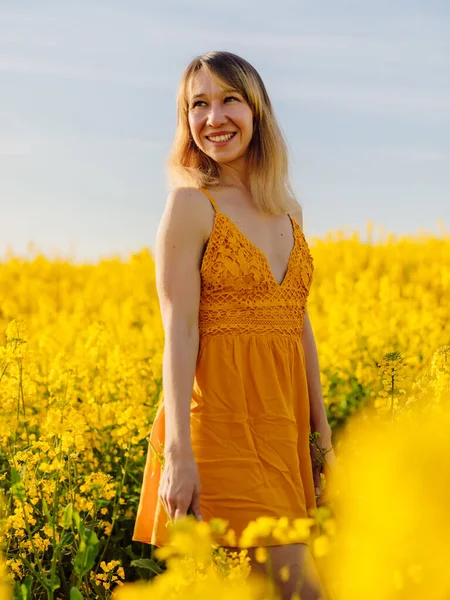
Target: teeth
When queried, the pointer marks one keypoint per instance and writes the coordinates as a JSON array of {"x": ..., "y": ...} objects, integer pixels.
[{"x": 221, "y": 138}]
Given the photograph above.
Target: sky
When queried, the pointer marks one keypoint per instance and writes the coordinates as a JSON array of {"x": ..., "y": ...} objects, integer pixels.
[{"x": 361, "y": 90}]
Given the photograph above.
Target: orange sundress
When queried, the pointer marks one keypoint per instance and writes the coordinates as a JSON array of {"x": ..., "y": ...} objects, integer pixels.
[{"x": 250, "y": 413}]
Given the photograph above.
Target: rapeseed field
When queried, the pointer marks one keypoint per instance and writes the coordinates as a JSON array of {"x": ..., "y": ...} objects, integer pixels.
[{"x": 80, "y": 378}]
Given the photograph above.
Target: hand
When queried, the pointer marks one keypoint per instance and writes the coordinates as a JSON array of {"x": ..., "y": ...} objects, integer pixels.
[
  {"x": 323, "y": 462},
  {"x": 179, "y": 488}
]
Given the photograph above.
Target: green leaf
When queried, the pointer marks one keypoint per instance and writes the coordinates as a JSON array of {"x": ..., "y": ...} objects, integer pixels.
[
  {"x": 15, "y": 476},
  {"x": 18, "y": 491},
  {"x": 22, "y": 591},
  {"x": 75, "y": 594},
  {"x": 66, "y": 539},
  {"x": 47, "y": 512},
  {"x": 67, "y": 517},
  {"x": 148, "y": 564},
  {"x": 17, "y": 486},
  {"x": 56, "y": 583},
  {"x": 117, "y": 537},
  {"x": 87, "y": 552},
  {"x": 129, "y": 551},
  {"x": 76, "y": 520}
]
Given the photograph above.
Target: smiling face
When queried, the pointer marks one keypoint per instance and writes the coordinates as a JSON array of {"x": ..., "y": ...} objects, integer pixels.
[{"x": 213, "y": 109}]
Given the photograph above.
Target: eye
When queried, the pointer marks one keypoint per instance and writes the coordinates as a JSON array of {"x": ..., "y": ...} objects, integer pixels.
[{"x": 228, "y": 97}]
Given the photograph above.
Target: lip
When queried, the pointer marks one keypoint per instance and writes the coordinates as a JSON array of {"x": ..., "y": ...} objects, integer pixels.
[
  {"x": 217, "y": 144},
  {"x": 219, "y": 133}
]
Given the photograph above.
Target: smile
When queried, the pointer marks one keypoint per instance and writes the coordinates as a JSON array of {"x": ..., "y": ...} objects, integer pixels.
[{"x": 221, "y": 139}]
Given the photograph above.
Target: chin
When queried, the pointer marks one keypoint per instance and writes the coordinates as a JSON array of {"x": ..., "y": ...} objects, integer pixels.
[{"x": 227, "y": 157}]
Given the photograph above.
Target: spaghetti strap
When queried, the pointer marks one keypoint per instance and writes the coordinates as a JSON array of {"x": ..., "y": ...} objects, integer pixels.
[{"x": 213, "y": 202}]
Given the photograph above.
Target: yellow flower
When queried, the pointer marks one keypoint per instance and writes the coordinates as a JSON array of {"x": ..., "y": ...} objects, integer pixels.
[
  {"x": 121, "y": 573},
  {"x": 229, "y": 538},
  {"x": 261, "y": 554},
  {"x": 321, "y": 546},
  {"x": 260, "y": 528},
  {"x": 285, "y": 573},
  {"x": 81, "y": 352}
]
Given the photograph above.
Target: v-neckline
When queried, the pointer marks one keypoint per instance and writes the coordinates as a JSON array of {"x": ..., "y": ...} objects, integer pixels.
[{"x": 262, "y": 254}]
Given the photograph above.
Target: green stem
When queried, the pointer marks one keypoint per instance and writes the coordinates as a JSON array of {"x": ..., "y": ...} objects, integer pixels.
[
  {"x": 22, "y": 397},
  {"x": 72, "y": 499},
  {"x": 33, "y": 570},
  {"x": 27, "y": 527},
  {"x": 56, "y": 552},
  {"x": 63, "y": 580},
  {"x": 116, "y": 504},
  {"x": 392, "y": 400},
  {"x": 3, "y": 371}
]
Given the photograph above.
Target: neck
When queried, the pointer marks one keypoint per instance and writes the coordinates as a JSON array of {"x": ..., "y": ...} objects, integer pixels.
[{"x": 235, "y": 175}]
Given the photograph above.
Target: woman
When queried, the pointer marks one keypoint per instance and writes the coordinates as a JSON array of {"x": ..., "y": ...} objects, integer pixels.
[{"x": 240, "y": 369}]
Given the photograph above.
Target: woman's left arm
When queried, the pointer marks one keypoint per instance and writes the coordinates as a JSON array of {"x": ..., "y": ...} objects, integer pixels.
[
  {"x": 322, "y": 452},
  {"x": 321, "y": 449},
  {"x": 318, "y": 414}
]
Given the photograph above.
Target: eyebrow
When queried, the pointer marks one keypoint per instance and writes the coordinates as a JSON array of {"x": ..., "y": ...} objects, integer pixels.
[{"x": 224, "y": 91}]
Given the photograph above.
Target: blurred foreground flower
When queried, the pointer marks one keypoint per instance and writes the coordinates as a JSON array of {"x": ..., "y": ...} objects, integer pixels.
[
  {"x": 391, "y": 500},
  {"x": 5, "y": 588},
  {"x": 197, "y": 568}
]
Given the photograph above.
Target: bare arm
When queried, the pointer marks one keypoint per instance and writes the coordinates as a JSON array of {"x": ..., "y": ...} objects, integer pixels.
[
  {"x": 318, "y": 418},
  {"x": 318, "y": 414},
  {"x": 179, "y": 248}
]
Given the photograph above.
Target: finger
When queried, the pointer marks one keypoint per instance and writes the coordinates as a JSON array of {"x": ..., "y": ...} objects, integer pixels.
[
  {"x": 181, "y": 507},
  {"x": 179, "y": 512},
  {"x": 163, "y": 502},
  {"x": 330, "y": 466},
  {"x": 317, "y": 469},
  {"x": 169, "y": 511},
  {"x": 317, "y": 482},
  {"x": 195, "y": 506},
  {"x": 164, "y": 505},
  {"x": 171, "y": 507}
]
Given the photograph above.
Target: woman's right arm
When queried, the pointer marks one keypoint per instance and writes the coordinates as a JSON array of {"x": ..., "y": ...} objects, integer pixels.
[{"x": 178, "y": 253}]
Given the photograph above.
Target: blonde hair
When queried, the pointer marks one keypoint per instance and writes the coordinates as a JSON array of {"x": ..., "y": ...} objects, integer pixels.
[{"x": 267, "y": 153}]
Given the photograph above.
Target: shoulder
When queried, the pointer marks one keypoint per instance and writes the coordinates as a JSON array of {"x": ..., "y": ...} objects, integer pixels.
[
  {"x": 298, "y": 216},
  {"x": 188, "y": 202},
  {"x": 186, "y": 212},
  {"x": 186, "y": 198}
]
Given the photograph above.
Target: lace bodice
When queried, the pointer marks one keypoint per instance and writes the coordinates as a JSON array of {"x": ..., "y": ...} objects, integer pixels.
[{"x": 239, "y": 294}]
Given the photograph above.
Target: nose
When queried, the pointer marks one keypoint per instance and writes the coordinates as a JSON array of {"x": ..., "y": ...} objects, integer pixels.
[{"x": 216, "y": 115}]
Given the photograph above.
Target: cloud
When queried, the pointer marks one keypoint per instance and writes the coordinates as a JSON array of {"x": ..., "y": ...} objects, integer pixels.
[
  {"x": 368, "y": 153},
  {"x": 403, "y": 75},
  {"x": 29, "y": 39},
  {"x": 11, "y": 17},
  {"x": 30, "y": 66},
  {"x": 367, "y": 98},
  {"x": 19, "y": 144},
  {"x": 412, "y": 154},
  {"x": 15, "y": 146}
]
